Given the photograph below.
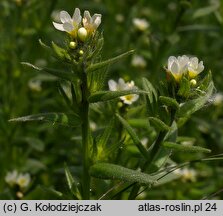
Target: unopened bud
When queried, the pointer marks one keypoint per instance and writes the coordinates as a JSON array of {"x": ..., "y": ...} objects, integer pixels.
[
  {"x": 120, "y": 104},
  {"x": 193, "y": 82},
  {"x": 73, "y": 45},
  {"x": 81, "y": 52},
  {"x": 82, "y": 34}
]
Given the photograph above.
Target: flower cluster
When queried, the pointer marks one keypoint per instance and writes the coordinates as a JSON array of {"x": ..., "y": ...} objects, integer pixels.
[
  {"x": 21, "y": 179},
  {"x": 120, "y": 86},
  {"x": 183, "y": 65},
  {"x": 77, "y": 27}
]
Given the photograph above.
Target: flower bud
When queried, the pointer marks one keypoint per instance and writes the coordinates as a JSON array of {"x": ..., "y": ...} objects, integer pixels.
[
  {"x": 193, "y": 82},
  {"x": 120, "y": 104},
  {"x": 73, "y": 45},
  {"x": 81, "y": 52},
  {"x": 82, "y": 34}
]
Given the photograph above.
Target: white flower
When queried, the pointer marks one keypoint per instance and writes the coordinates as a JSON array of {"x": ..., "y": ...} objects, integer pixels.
[
  {"x": 23, "y": 180},
  {"x": 120, "y": 86},
  {"x": 141, "y": 24},
  {"x": 68, "y": 24},
  {"x": 184, "y": 65},
  {"x": 218, "y": 99},
  {"x": 195, "y": 67},
  {"x": 186, "y": 174},
  {"x": 91, "y": 23},
  {"x": 138, "y": 61},
  {"x": 116, "y": 86},
  {"x": 93, "y": 126},
  {"x": 177, "y": 66},
  {"x": 35, "y": 85},
  {"x": 11, "y": 177}
]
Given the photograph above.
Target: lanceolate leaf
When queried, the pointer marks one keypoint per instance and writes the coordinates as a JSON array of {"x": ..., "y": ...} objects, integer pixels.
[
  {"x": 60, "y": 74},
  {"x": 60, "y": 52},
  {"x": 185, "y": 148},
  {"x": 108, "y": 62},
  {"x": 44, "y": 45},
  {"x": 71, "y": 120},
  {"x": 151, "y": 91},
  {"x": 189, "y": 107},
  {"x": 205, "y": 10},
  {"x": 105, "y": 136},
  {"x": 134, "y": 136},
  {"x": 116, "y": 172},
  {"x": 169, "y": 102},
  {"x": 158, "y": 124},
  {"x": 72, "y": 183},
  {"x": 109, "y": 95}
]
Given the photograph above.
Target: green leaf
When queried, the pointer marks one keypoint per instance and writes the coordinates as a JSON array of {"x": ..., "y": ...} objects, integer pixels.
[
  {"x": 72, "y": 183},
  {"x": 184, "y": 87},
  {"x": 185, "y": 148},
  {"x": 44, "y": 45},
  {"x": 166, "y": 177},
  {"x": 52, "y": 192},
  {"x": 116, "y": 172},
  {"x": 64, "y": 95},
  {"x": 105, "y": 136},
  {"x": 169, "y": 102},
  {"x": 158, "y": 124},
  {"x": 151, "y": 91},
  {"x": 205, "y": 11},
  {"x": 163, "y": 154},
  {"x": 191, "y": 106},
  {"x": 134, "y": 136},
  {"x": 97, "y": 79},
  {"x": 61, "y": 53},
  {"x": 60, "y": 74},
  {"x": 172, "y": 134},
  {"x": 109, "y": 95},
  {"x": 140, "y": 123},
  {"x": 72, "y": 120},
  {"x": 108, "y": 62}
]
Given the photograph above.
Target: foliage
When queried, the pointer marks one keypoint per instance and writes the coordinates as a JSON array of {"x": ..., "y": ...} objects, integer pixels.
[{"x": 57, "y": 108}]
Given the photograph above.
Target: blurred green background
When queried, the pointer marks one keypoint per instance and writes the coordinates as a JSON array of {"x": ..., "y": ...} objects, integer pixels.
[{"x": 172, "y": 28}]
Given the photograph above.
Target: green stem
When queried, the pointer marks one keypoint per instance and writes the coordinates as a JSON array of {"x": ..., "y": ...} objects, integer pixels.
[
  {"x": 152, "y": 154},
  {"x": 85, "y": 136}
]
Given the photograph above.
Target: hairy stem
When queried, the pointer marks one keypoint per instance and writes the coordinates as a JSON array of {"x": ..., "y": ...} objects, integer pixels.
[{"x": 85, "y": 136}]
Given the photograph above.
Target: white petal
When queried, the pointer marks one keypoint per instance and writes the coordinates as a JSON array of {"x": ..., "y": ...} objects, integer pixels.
[
  {"x": 96, "y": 19},
  {"x": 65, "y": 17},
  {"x": 183, "y": 61},
  {"x": 171, "y": 59},
  {"x": 121, "y": 84},
  {"x": 175, "y": 68},
  {"x": 68, "y": 27},
  {"x": 87, "y": 16},
  {"x": 77, "y": 16},
  {"x": 58, "y": 26},
  {"x": 200, "y": 67},
  {"x": 135, "y": 98},
  {"x": 112, "y": 85},
  {"x": 194, "y": 61}
]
